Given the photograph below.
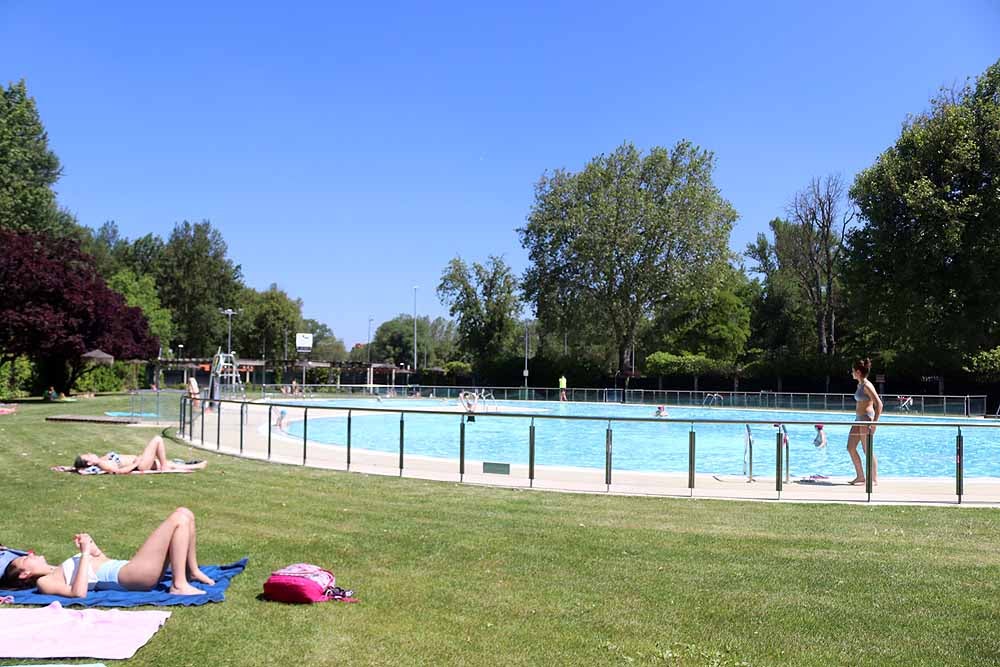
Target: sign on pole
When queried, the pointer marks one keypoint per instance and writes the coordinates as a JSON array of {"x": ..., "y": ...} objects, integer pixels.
[{"x": 303, "y": 342}]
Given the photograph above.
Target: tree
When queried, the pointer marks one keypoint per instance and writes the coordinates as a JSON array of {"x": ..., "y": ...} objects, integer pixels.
[
  {"x": 484, "y": 301},
  {"x": 695, "y": 365},
  {"x": 267, "y": 320},
  {"x": 393, "y": 341},
  {"x": 810, "y": 246},
  {"x": 196, "y": 279},
  {"x": 326, "y": 345},
  {"x": 140, "y": 292},
  {"x": 715, "y": 323},
  {"x": 618, "y": 239},
  {"x": 55, "y": 307},
  {"x": 924, "y": 267},
  {"x": 28, "y": 169}
]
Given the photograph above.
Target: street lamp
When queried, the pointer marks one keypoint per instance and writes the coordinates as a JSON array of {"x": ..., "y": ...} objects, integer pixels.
[
  {"x": 229, "y": 312},
  {"x": 415, "y": 327},
  {"x": 526, "y": 357},
  {"x": 369, "y": 346}
]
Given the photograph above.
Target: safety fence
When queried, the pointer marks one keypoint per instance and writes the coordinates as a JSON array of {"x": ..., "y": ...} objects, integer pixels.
[
  {"x": 916, "y": 404},
  {"x": 153, "y": 405},
  {"x": 279, "y": 432}
]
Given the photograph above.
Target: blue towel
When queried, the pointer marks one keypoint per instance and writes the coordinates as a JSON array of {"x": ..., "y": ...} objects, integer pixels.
[{"x": 158, "y": 597}]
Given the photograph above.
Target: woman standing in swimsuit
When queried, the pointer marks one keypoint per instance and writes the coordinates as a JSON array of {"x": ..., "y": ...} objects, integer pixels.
[
  {"x": 172, "y": 543},
  {"x": 869, "y": 408}
]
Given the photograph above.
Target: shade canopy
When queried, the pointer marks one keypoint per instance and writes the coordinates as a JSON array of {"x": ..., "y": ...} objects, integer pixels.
[{"x": 98, "y": 357}]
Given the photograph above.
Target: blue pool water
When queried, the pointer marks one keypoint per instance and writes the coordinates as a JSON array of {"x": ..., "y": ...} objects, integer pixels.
[
  {"x": 928, "y": 451},
  {"x": 125, "y": 413}
]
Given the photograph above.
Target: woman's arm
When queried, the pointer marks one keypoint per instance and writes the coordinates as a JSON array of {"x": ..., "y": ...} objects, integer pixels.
[
  {"x": 876, "y": 400},
  {"x": 50, "y": 585}
]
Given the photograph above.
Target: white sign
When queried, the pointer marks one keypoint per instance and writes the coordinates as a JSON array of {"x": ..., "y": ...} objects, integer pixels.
[{"x": 303, "y": 342}]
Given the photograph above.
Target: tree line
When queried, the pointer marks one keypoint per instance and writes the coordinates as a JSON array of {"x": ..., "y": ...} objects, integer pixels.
[{"x": 630, "y": 272}]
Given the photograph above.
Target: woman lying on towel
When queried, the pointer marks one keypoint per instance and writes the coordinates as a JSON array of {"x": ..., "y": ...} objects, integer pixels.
[
  {"x": 153, "y": 457},
  {"x": 172, "y": 543}
]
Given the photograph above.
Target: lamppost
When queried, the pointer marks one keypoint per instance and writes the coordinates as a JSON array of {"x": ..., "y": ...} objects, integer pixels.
[
  {"x": 415, "y": 327},
  {"x": 180, "y": 355},
  {"x": 526, "y": 357},
  {"x": 369, "y": 346},
  {"x": 229, "y": 312}
]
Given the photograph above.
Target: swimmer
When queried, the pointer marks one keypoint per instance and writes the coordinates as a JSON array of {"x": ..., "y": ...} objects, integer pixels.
[
  {"x": 820, "y": 440},
  {"x": 661, "y": 411}
]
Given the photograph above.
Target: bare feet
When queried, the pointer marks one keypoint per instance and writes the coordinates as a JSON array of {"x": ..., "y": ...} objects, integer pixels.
[
  {"x": 857, "y": 480},
  {"x": 198, "y": 575},
  {"x": 186, "y": 590}
]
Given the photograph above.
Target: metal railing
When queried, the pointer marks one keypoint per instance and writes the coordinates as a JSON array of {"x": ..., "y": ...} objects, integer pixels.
[
  {"x": 189, "y": 415},
  {"x": 917, "y": 404}
]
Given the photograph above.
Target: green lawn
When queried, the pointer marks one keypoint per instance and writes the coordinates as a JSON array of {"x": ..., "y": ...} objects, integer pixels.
[{"x": 452, "y": 574}]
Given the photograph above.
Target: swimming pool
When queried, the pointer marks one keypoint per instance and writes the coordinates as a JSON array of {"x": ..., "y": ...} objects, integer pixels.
[{"x": 927, "y": 451}]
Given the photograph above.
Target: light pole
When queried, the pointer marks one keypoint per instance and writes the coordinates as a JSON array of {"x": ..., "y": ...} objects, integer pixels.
[
  {"x": 229, "y": 312},
  {"x": 369, "y": 346},
  {"x": 180, "y": 355},
  {"x": 415, "y": 327},
  {"x": 526, "y": 356}
]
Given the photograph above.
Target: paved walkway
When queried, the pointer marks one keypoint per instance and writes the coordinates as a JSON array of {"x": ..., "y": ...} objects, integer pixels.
[{"x": 249, "y": 436}]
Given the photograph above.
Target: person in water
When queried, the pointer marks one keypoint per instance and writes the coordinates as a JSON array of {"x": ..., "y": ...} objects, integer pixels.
[
  {"x": 820, "y": 440},
  {"x": 153, "y": 457},
  {"x": 171, "y": 544},
  {"x": 868, "y": 408},
  {"x": 661, "y": 411}
]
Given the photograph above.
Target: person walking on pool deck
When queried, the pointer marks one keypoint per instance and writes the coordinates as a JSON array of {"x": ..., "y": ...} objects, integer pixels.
[
  {"x": 172, "y": 543},
  {"x": 869, "y": 408},
  {"x": 562, "y": 387},
  {"x": 153, "y": 457}
]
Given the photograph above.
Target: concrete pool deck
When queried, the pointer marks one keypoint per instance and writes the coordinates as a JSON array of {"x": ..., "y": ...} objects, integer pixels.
[{"x": 245, "y": 433}]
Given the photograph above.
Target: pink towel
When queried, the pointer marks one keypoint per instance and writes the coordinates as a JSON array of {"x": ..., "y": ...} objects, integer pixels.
[{"x": 55, "y": 632}]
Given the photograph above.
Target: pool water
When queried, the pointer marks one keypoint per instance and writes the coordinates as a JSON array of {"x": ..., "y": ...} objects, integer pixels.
[
  {"x": 926, "y": 451},
  {"x": 125, "y": 413}
]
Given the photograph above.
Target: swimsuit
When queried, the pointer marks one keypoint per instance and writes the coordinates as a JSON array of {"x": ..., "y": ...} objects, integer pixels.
[
  {"x": 104, "y": 579},
  {"x": 859, "y": 396},
  {"x": 114, "y": 458}
]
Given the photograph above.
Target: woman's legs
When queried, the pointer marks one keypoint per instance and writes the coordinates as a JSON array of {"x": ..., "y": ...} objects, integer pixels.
[
  {"x": 170, "y": 542},
  {"x": 192, "y": 557},
  {"x": 153, "y": 456},
  {"x": 852, "y": 448}
]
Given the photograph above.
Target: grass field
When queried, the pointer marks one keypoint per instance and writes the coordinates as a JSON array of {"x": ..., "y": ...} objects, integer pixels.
[{"x": 452, "y": 574}]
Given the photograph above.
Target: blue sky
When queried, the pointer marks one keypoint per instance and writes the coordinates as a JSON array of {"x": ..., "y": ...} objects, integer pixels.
[{"x": 347, "y": 153}]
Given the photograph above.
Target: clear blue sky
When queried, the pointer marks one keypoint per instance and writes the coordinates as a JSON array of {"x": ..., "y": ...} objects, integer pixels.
[{"x": 348, "y": 153}]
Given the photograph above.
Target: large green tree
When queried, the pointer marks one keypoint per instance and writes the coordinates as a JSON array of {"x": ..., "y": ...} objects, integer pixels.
[
  {"x": 266, "y": 323},
  {"x": 140, "y": 292},
  {"x": 484, "y": 301},
  {"x": 924, "y": 267},
  {"x": 196, "y": 278},
  {"x": 623, "y": 236},
  {"x": 28, "y": 169}
]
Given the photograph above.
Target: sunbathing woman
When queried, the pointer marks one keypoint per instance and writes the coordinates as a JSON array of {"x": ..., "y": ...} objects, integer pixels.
[
  {"x": 153, "y": 457},
  {"x": 172, "y": 543}
]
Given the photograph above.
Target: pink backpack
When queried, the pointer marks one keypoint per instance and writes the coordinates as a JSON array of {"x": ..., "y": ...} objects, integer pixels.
[{"x": 300, "y": 583}]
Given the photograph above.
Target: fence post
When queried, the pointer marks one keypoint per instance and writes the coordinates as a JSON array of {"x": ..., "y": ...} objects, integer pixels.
[
  {"x": 461, "y": 450},
  {"x": 348, "y": 440},
  {"x": 691, "y": 444},
  {"x": 777, "y": 456},
  {"x": 869, "y": 461},
  {"x": 218, "y": 425},
  {"x": 270, "y": 408},
  {"x": 203, "y": 423},
  {"x": 305, "y": 431},
  {"x": 531, "y": 453},
  {"x": 607, "y": 457},
  {"x": 959, "y": 464},
  {"x": 788, "y": 459},
  {"x": 243, "y": 407},
  {"x": 181, "y": 418},
  {"x": 401, "y": 444}
]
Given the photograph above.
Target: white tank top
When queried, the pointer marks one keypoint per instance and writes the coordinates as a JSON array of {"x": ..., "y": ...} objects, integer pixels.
[{"x": 69, "y": 568}]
